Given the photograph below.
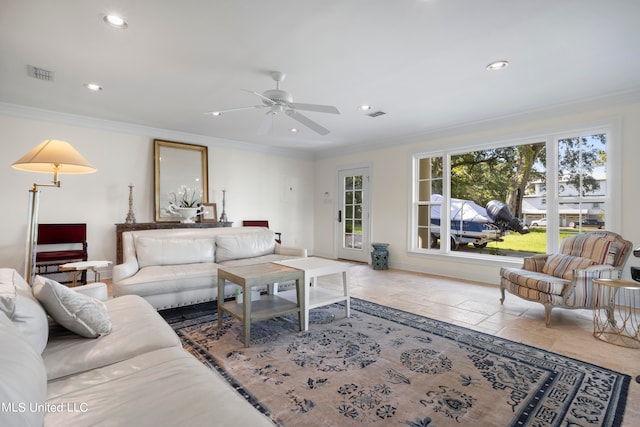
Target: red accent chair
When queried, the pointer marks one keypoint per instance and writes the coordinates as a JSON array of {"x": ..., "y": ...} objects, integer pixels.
[{"x": 70, "y": 242}]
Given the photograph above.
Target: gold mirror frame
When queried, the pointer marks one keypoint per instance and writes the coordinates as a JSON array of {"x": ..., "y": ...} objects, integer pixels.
[{"x": 178, "y": 164}]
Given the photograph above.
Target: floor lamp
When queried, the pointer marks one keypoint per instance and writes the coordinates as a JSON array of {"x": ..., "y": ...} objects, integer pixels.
[{"x": 54, "y": 156}]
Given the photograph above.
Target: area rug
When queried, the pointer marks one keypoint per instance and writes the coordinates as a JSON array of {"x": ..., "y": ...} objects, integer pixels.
[{"x": 384, "y": 366}]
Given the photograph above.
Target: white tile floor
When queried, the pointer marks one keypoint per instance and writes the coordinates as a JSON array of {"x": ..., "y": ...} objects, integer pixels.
[{"x": 477, "y": 306}]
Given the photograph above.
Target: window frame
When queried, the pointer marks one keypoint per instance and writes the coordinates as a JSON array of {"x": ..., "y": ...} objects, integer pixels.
[{"x": 611, "y": 200}]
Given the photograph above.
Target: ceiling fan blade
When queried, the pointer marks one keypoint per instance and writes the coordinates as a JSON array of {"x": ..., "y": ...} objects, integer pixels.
[
  {"x": 261, "y": 96},
  {"x": 307, "y": 122},
  {"x": 229, "y": 110},
  {"x": 266, "y": 124},
  {"x": 314, "y": 107}
]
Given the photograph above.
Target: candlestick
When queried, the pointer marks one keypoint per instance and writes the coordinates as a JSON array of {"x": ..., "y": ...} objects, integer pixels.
[
  {"x": 223, "y": 217},
  {"x": 131, "y": 218}
]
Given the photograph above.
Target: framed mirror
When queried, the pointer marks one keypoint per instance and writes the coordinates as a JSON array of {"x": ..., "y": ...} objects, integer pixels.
[{"x": 181, "y": 176}]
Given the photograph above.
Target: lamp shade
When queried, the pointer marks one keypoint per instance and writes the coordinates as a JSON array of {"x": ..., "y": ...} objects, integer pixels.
[{"x": 53, "y": 154}]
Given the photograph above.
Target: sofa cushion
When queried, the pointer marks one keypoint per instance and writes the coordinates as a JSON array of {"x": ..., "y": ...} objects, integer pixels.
[
  {"x": 137, "y": 328},
  {"x": 534, "y": 280},
  {"x": 560, "y": 265},
  {"x": 166, "y": 387},
  {"x": 532, "y": 294},
  {"x": 162, "y": 279},
  {"x": 82, "y": 314},
  {"x": 244, "y": 245},
  {"x": 172, "y": 251},
  {"x": 23, "y": 384},
  {"x": 22, "y": 308}
]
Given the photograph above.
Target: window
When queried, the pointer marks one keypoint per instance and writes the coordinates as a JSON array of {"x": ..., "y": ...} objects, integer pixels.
[
  {"x": 582, "y": 177},
  {"x": 498, "y": 200},
  {"x": 428, "y": 189}
]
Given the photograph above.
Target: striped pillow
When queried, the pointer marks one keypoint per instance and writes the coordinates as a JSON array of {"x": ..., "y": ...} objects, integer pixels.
[
  {"x": 591, "y": 245},
  {"x": 560, "y": 265}
]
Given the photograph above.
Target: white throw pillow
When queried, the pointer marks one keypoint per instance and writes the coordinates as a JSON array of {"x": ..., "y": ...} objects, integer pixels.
[
  {"x": 172, "y": 251},
  {"x": 7, "y": 299},
  {"x": 79, "y": 313},
  {"x": 24, "y": 310},
  {"x": 244, "y": 245}
]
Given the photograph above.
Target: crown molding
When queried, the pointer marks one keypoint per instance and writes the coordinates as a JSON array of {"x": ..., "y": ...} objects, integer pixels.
[
  {"x": 514, "y": 119},
  {"x": 32, "y": 113}
]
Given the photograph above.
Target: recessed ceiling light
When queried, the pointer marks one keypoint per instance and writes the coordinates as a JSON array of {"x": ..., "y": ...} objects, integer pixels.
[
  {"x": 93, "y": 86},
  {"x": 293, "y": 130},
  {"x": 364, "y": 107},
  {"x": 498, "y": 65},
  {"x": 115, "y": 21}
]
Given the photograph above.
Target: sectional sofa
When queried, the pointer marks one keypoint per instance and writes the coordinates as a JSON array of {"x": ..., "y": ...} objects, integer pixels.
[
  {"x": 115, "y": 363},
  {"x": 177, "y": 267}
]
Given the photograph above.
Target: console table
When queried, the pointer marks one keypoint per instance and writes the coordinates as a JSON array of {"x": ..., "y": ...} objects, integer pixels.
[{"x": 121, "y": 228}]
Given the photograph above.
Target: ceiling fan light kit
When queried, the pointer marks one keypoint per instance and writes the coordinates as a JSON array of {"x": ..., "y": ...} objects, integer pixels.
[{"x": 281, "y": 101}]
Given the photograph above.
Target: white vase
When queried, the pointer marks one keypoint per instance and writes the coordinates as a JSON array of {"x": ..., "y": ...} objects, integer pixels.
[{"x": 186, "y": 214}]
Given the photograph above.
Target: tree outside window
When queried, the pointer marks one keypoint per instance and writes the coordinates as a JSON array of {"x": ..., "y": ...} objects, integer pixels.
[{"x": 515, "y": 178}]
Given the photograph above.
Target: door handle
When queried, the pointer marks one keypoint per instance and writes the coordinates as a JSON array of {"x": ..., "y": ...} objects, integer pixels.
[{"x": 339, "y": 216}]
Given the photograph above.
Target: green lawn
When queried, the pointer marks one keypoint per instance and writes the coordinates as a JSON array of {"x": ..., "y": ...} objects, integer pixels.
[{"x": 535, "y": 241}]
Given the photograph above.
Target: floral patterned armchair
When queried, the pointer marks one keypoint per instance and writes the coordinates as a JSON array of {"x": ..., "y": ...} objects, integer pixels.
[{"x": 566, "y": 279}]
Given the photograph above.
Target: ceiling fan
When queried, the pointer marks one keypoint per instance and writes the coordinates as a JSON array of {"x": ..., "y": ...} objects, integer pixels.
[{"x": 281, "y": 101}]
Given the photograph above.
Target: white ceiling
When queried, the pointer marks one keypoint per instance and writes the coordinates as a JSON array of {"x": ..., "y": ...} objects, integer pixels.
[{"x": 420, "y": 61}]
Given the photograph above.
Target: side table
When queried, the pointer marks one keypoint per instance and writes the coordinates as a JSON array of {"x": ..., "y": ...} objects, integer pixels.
[
  {"x": 77, "y": 267},
  {"x": 315, "y": 296},
  {"x": 615, "y": 318}
]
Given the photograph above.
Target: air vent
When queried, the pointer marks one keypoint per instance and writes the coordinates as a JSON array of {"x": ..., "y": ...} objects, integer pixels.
[
  {"x": 40, "y": 73},
  {"x": 376, "y": 113}
]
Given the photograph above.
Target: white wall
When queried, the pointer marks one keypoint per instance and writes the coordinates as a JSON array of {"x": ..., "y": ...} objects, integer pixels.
[
  {"x": 259, "y": 185},
  {"x": 390, "y": 194},
  {"x": 288, "y": 190}
]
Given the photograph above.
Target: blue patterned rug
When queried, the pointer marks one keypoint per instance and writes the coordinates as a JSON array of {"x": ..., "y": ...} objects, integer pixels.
[{"x": 385, "y": 367}]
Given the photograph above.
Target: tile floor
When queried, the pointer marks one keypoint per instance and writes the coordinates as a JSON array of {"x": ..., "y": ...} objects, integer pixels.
[{"x": 477, "y": 306}]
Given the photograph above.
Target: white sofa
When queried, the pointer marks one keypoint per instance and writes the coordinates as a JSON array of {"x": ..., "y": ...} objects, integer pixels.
[
  {"x": 179, "y": 266},
  {"x": 136, "y": 375}
]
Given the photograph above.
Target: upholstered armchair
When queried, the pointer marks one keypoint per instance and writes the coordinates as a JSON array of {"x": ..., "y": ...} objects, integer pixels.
[{"x": 565, "y": 279}]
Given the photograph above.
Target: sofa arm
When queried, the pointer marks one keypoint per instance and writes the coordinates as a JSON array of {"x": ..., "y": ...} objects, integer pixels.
[
  {"x": 535, "y": 263},
  {"x": 95, "y": 290},
  {"x": 290, "y": 251},
  {"x": 123, "y": 271}
]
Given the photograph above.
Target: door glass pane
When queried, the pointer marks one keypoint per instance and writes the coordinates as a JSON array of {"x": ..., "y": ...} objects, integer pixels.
[
  {"x": 353, "y": 212},
  {"x": 348, "y": 212}
]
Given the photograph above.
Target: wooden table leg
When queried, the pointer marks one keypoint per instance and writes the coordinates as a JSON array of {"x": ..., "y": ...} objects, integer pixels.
[
  {"x": 246, "y": 300},
  {"x": 301, "y": 291},
  {"x": 221, "y": 283}
]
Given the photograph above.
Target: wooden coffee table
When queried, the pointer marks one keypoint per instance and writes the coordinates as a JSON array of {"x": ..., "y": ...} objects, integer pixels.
[{"x": 268, "y": 306}]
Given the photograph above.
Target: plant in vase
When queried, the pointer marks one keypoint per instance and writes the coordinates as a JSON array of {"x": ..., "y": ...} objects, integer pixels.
[{"x": 186, "y": 203}]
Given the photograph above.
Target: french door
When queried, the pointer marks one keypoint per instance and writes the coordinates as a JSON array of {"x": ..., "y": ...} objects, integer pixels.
[{"x": 353, "y": 214}]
